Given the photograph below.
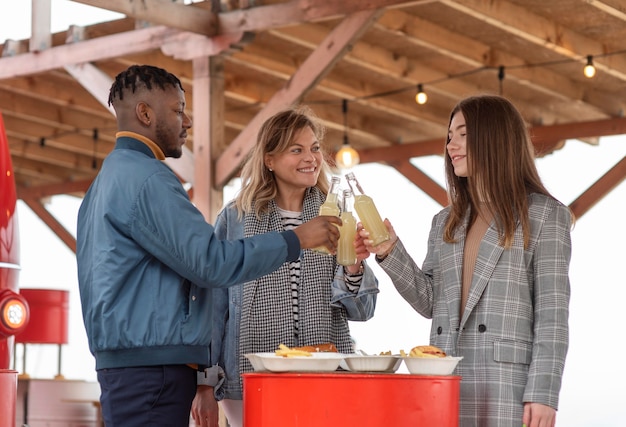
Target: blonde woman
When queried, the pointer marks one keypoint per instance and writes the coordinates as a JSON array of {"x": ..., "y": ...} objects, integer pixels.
[{"x": 305, "y": 302}]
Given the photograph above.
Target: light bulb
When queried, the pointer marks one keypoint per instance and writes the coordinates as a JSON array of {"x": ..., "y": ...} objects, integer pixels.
[
  {"x": 347, "y": 157},
  {"x": 421, "y": 96},
  {"x": 590, "y": 70}
]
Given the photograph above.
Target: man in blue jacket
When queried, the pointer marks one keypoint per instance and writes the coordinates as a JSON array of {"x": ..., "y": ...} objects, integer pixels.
[{"x": 147, "y": 261}]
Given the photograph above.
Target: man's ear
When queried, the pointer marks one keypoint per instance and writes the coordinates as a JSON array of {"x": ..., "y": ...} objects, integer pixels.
[{"x": 144, "y": 113}]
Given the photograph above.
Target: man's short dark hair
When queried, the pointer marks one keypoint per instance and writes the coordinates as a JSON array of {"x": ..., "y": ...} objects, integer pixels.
[{"x": 147, "y": 74}]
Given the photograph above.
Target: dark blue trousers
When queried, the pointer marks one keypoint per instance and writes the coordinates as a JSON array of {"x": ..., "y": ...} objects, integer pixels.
[{"x": 147, "y": 396}]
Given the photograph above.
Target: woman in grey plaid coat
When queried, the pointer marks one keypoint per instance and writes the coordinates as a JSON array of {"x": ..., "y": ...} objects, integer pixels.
[
  {"x": 306, "y": 302},
  {"x": 495, "y": 279}
]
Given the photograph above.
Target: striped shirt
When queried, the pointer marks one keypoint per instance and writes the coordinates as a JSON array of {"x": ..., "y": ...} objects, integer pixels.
[{"x": 290, "y": 221}]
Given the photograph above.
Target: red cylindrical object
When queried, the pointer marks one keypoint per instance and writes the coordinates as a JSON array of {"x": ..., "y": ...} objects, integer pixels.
[
  {"x": 348, "y": 399},
  {"x": 49, "y": 314},
  {"x": 8, "y": 391},
  {"x": 9, "y": 236}
]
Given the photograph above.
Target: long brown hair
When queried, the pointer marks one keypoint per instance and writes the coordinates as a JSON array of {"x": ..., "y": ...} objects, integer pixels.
[
  {"x": 501, "y": 168},
  {"x": 275, "y": 136}
]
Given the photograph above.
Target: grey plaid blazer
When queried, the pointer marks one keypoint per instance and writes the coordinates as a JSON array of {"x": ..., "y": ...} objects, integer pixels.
[{"x": 513, "y": 335}]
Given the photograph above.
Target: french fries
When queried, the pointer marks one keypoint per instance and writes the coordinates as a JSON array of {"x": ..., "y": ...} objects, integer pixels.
[{"x": 285, "y": 351}]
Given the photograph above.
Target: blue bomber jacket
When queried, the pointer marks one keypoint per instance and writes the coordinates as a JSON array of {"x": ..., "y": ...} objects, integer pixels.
[{"x": 147, "y": 259}]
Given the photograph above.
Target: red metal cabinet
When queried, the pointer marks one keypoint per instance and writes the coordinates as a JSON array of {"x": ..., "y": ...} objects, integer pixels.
[{"x": 348, "y": 399}]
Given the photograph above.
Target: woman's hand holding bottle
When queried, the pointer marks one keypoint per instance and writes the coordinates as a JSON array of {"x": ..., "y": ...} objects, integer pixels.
[
  {"x": 383, "y": 249},
  {"x": 360, "y": 249}
]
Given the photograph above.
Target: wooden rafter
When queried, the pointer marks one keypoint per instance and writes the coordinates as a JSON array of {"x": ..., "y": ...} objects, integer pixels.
[
  {"x": 599, "y": 189},
  {"x": 545, "y": 139},
  {"x": 281, "y": 52},
  {"x": 422, "y": 181},
  {"x": 201, "y": 21},
  {"x": 310, "y": 72},
  {"x": 55, "y": 226}
]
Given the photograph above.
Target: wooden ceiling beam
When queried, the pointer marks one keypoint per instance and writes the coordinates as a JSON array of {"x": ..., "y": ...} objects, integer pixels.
[
  {"x": 418, "y": 47},
  {"x": 163, "y": 12},
  {"x": 24, "y": 139},
  {"x": 57, "y": 157},
  {"x": 23, "y": 133},
  {"x": 539, "y": 31},
  {"x": 106, "y": 47},
  {"x": 63, "y": 120},
  {"x": 545, "y": 138},
  {"x": 380, "y": 61},
  {"x": 97, "y": 49},
  {"x": 340, "y": 87},
  {"x": 311, "y": 71},
  {"x": 599, "y": 189},
  {"x": 196, "y": 18},
  {"x": 400, "y": 152},
  {"x": 475, "y": 54},
  {"x": 28, "y": 168},
  {"x": 388, "y": 63},
  {"x": 96, "y": 82},
  {"x": 42, "y": 171},
  {"x": 55, "y": 226},
  {"x": 81, "y": 142},
  {"x": 299, "y": 11},
  {"x": 42, "y": 191},
  {"x": 613, "y": 8},
  {"x": 53, "y": 91},
  {"x": 422, "y": 181}
]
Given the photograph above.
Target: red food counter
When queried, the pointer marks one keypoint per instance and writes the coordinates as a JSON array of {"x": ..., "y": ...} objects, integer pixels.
[{"x": 347, "y": 399}]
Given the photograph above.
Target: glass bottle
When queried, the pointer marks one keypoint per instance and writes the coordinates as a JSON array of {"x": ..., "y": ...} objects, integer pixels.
[
  {"x": 346, "y": 254},
  {"x": 330, "y": 206},
  {"x": 367, "y": 212}
]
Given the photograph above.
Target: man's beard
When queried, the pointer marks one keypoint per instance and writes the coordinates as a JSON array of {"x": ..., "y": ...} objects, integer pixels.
[{"x": 169, "y": 150}]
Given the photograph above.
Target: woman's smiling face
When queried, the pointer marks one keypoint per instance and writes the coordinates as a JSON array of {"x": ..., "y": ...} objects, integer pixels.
[
  {"x": 299, "y": 165},
  {"x": 457, "y": 147}
]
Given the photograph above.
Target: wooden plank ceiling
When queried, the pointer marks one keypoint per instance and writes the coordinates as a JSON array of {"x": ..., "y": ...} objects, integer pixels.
[{"x": 240, "y": 61}]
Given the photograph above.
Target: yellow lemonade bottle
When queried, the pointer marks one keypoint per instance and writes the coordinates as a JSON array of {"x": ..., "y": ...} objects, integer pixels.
[
  {"x": 330, "y": 207},
  {"x": 367, "y": 212},
  {"x": 346, "y": 254}
]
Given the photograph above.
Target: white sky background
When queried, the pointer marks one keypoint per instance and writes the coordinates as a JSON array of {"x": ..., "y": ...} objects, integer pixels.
[{"x": 592, "y": 393}]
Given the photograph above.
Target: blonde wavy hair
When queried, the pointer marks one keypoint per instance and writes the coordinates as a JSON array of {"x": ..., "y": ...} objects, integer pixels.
[{"x": 258, "y": 185}]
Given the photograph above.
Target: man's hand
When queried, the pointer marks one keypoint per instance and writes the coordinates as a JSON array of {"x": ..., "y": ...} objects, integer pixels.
[
  {"x": 320, "y": 231},
  {"x": 204, "y": 408}
]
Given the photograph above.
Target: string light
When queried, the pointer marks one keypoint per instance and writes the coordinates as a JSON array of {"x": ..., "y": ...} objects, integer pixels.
[
  {"x": 501, "y": 76},
  {"x": 590, "y": 70},
  {"x": 347, "y": 157},
  {"x": 94, "y": 159},
  {"x": 421, "y": 98}
]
